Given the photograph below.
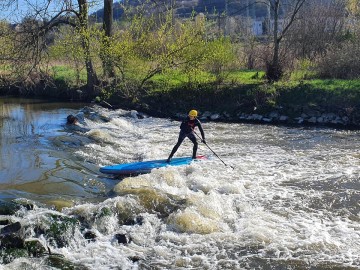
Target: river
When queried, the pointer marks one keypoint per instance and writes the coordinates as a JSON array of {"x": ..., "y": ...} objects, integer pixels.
[{"x": 289, "y": 198}]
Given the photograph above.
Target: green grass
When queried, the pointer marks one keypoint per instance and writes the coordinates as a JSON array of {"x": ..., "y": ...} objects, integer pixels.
[
  {"x": 244, "y": 85},
  {"x": 5, "y": 69},
  {"x": 175, "y": 78},
  {"x": 240, "y": 90},
  {"x": 305, "y": 70},
  {"x": 68, "y": 75},
  {"x": 335, "y": 85},
  {"x": 317, "y": 92},
  {"x": 248, "y": 85},
  {"x": 246, "y": 76},
  {"x": 302, "y": 75}
]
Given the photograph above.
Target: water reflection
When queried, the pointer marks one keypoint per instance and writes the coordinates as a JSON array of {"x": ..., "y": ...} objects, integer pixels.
[{"x": 30, "y": 167}]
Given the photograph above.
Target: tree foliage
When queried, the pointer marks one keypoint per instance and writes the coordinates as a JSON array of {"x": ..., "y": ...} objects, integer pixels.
[
  {"x": 6, "y": 41},
  {"x": 353, "y": 7},
  {"x": 154, "y": 44},
  {"x": 33, "y": 34},
  {"x": 150, "y": 42},
  {"x": 219, "y": 57}
]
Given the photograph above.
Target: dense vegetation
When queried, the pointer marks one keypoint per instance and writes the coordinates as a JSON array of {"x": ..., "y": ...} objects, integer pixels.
[{"x": 308, "y": 56}]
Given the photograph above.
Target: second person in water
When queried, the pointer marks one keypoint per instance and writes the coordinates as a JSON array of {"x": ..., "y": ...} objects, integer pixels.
[{"x": 187, "y": 128}]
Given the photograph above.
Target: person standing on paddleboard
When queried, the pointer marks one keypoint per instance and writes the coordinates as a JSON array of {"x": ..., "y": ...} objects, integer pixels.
[{"x": 187, "y": 130}]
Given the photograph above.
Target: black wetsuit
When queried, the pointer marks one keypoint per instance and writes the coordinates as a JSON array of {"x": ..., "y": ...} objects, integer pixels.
[{"x": 186, "y": 130}]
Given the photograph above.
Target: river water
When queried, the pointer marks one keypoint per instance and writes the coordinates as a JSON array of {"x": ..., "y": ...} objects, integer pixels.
[{"x": 291, "y": 200}]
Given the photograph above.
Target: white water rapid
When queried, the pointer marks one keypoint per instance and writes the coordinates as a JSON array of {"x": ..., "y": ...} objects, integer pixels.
[{"x": 290, "y": 202}]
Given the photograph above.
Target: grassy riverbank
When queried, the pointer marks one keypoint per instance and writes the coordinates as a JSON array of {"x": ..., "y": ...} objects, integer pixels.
[
  {"x": 248, "y": 92},
  {"x": 235, "y": 93}
]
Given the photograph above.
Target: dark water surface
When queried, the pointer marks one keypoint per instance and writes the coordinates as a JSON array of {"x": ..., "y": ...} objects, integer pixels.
[{"x": 36, "y": 160}]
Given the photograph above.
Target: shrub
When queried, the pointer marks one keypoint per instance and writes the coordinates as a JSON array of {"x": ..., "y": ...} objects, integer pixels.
[{"x": 342, "y": 62}]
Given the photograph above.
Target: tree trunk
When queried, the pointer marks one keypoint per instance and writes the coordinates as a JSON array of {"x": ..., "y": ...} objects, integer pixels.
[
  {"x": 274, "y": 70},
  {"x": 108, "y": 17},
  {"x": 108, "y": 66},
  {"x": 92, "y": 79}
]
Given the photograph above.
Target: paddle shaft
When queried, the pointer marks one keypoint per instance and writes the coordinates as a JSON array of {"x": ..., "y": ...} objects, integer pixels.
[{"x": 212, "y": 150}]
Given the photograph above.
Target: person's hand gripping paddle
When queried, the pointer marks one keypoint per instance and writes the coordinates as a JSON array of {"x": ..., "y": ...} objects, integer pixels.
[{"x": 204, "y": 142}]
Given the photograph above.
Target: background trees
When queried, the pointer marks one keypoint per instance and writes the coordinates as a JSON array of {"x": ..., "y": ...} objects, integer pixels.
[
  {"x": 152, "y": 45},
  {"x": 319, "y": 25},
  {"x": 274, "y": 66},
  {"x": 43, "y": 19}
]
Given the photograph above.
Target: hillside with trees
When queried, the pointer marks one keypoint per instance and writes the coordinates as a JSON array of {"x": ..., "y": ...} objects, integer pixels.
[{"x": 212, "y": 8}]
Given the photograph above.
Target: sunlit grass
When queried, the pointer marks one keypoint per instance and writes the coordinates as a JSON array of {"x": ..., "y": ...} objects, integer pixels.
[
  {"x": 176, "y": 78},
  {"x": 246, "y": 76},
  {"x": 332, "y": 93},
  {"x": 288, "y": 91},
  {"x": 335, "y": 85},
  {"x": 68, "y": 75},
  {"x": 326, "y": 85}
]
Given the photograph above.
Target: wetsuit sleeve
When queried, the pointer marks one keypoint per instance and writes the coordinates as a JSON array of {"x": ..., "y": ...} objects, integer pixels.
[{"x": 201, "y": 130}]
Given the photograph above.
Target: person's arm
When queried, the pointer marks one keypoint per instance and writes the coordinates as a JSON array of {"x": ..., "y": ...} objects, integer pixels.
[{"x": 201, "y": 131}]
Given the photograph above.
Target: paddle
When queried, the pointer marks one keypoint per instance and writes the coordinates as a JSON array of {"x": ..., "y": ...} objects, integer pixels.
[{"x": 212, "y": 150}]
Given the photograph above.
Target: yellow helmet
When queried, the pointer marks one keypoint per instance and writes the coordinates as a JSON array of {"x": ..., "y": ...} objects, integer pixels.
[{"x": 193, "y": 113}]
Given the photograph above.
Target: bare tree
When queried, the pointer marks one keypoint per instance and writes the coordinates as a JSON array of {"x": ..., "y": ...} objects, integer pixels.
[
  {"x": 320, "y": 24},
  {"x": 284, "y": 14},
  {"x": 108, "y": 66},
  {"x": 43, "y": 18},
  {"x": 83, "y": 22}
]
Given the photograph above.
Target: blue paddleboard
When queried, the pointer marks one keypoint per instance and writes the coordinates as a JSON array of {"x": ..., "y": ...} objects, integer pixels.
[{"x": 146, "y": 166}]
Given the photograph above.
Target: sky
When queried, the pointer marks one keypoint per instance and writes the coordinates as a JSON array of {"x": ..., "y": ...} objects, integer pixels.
[
  {"x": 12, "y": 13},
  {"x": 20, "y": 8}
]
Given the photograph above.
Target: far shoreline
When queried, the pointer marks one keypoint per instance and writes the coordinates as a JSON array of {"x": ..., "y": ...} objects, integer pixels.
[{"x": 271, "y": 117}]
